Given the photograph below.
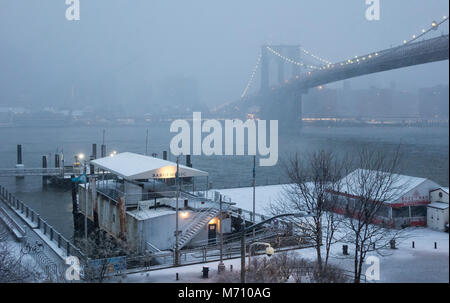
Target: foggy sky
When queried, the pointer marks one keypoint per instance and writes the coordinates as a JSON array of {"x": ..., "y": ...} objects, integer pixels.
[{"x": 127, "y": 49}]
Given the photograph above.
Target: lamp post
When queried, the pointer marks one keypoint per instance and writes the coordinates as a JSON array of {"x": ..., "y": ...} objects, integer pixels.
[
  {"x": 81, "y": 157},
  {"x": 177, "y": 260},
  {"x": 254, "y": 185},
  {"x": 221, "y": 266},
  {"x": 246, "y": 229}
]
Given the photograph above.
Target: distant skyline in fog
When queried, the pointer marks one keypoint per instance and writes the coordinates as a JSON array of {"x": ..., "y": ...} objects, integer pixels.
[{"x": 127, "y": 52}]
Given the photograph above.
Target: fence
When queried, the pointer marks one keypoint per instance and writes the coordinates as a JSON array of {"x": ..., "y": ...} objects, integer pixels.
[{"x": 40, "y": 224}]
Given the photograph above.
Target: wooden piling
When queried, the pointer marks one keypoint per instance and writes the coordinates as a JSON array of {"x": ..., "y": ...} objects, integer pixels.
[
  {"x": 19, "y": 154},
  {"x": 57, "y": 161},
  {"x": 44, "y": 165},
  {"x": 103, "y": 150},
  {"x": 94, "y": 150},
  {"x": 19, "y": 159}
]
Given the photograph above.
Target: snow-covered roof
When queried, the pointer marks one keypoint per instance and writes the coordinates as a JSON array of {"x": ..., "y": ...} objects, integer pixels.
[
  {"x": 444, "y": 189},
  {"x": 131, "y": 166},
  {"x": 401, "y": 184},
  {"x": 151, "y": 213},
  {"x": 264, "y": 196},
  {"x": 439, "y": 205}
]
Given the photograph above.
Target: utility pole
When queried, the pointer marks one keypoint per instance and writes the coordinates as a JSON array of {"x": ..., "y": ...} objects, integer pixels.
[
  {"x": 243, "y": 250},
  {"x": 254, "y": 185},
  {"x": 86, "y": 201},
  {"x": 146, "y": 143},
  {"x": 177, "y": 261},
  {"x": 221, "y": 266}
]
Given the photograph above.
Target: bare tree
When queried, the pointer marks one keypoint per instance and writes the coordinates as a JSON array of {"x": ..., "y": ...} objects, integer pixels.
[
  {"x": 13, "y": 267},
  {"x": 367, "y": 190},
  {"x": 99, "y": 247},
  {"x": 313, "y": 178}
]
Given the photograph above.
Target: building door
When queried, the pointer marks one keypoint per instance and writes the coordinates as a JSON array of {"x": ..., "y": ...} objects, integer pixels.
[{"x": 212, "y": 233}]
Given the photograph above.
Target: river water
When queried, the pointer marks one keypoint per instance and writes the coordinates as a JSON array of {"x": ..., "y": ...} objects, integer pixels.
[{"x": 425, "y": 153}]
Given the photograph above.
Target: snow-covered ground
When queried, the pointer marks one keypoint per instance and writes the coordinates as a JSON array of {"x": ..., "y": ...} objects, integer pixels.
[{"x": 405, "y": 264}]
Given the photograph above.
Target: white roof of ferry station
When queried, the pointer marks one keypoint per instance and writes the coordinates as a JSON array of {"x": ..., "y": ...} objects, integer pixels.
[{"x": 131, "y": 166}]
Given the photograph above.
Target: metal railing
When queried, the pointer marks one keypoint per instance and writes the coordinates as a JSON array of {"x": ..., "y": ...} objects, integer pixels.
[
  {"x": 19, "y": 172},
  {"x": 18, "y": 230},
  {"x": 40, "y": 224}
]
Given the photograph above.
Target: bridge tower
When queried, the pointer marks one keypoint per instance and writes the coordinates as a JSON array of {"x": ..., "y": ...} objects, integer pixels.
[
  {"x": 264, "y": 68},
  {"x": 289, "y": 51}
]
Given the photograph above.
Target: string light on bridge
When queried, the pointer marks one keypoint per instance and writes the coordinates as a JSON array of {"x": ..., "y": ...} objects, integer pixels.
[
  {"x": 315, "y": 56},
  {"x": 434, "y": 26},
  {"x": 290, "y": 60},
  {"x": 252, "y": 76}
]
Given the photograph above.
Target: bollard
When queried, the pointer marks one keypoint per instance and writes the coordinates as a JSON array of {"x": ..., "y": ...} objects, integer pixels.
[
  {"x": 413, "y": 244},
  {"x": 435, "y": 245},
  {"x": 176, "y": 277},
  {"x": 392, "y": 242},
  {"x": 231, "y": 267},
  {"x": 345, "y": 250},
  {"x": 205, "y": 272},
  {"x": 51, "y": 234},
  {"x": 59, "y": 240}
]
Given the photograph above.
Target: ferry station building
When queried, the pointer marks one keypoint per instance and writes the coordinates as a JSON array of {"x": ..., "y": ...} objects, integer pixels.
[{"x": 415, "y": 202}]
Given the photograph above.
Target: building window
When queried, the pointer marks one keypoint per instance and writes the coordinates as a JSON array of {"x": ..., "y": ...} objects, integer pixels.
[
  {"x": 383, "y": 211},
  {"x": 418, "y": 211},
  {"x": 400, "y": 212}
]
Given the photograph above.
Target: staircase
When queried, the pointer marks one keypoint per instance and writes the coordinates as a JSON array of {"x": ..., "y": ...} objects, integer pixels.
[{"x": 196, "y": 225}]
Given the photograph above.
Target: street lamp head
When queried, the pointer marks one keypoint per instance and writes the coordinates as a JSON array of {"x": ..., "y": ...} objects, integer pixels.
[
  {"x": 302, "y": 214},
  {"x": 80, "y": 156},
  {"x": 270, "y": 251}
]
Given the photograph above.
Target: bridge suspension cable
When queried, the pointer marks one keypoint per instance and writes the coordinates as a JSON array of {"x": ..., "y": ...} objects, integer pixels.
[
  {"x": 252, "y": 76},
  {"x": 290, "y": 60},
  {"x": 315, "y": 56},
  {"x": 434, "y": 26},
  {"x": 367, "y": 57}
]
